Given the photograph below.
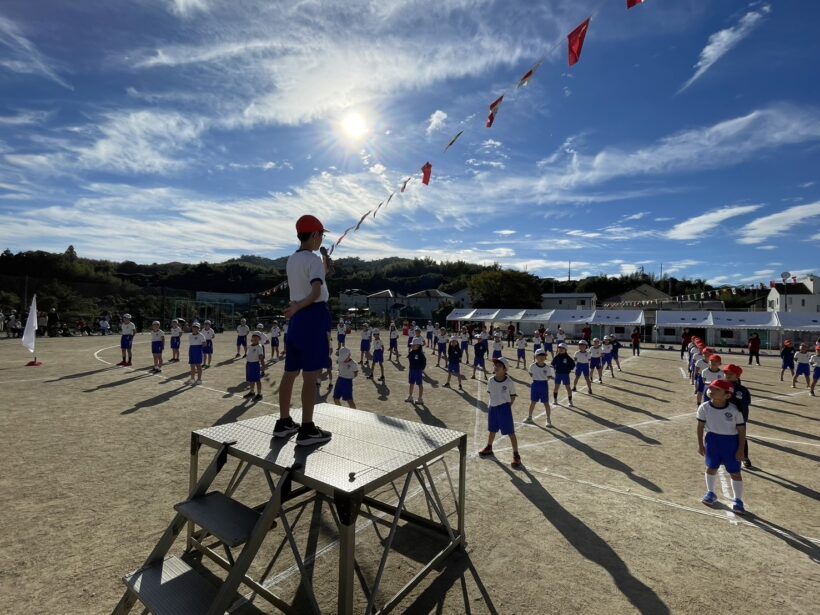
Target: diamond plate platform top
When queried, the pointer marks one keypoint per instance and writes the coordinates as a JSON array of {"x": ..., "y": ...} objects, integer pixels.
[{"x": 367, "y": 450}]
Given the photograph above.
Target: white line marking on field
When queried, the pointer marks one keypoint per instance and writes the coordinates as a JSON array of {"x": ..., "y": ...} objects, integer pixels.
[
  {"x": 683, "y": 374},
  {"x": 727, "y": 494},
  {"x": 756, "y": 437},
  {"x": 789, "y": 395},
  {"x": 26, "y": 380},
  {"x": 477, "y": 411}
]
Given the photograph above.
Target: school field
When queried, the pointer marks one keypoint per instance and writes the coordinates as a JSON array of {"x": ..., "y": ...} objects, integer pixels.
[{"x": 604, "y": 517}]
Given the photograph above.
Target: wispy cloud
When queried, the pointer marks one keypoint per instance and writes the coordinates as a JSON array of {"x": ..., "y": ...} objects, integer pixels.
[
  {"x": 720, "y": 43},
  {"x": 436, "y": 121},
  {"x": 24, "y": 118},
  {"x": 698, "y": 226},
  {"x": 775, "y": 225},
  {"x": 186, "y": 8},
  {"x": 23, "y": 57}
]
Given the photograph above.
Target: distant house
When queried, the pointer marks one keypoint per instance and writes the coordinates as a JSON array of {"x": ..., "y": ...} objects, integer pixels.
[
  {"x": 352, "y": 298},
  {"x": 462, "y": 298},
  {"x": 568, "y": 301},
  {"x": 426, "y": 301},
  {"x": 386, "y": 303},
  {"x": 238, "y": 299},
  {"x": 644, "y": 292},
  {"x": 803, "y": 296}
]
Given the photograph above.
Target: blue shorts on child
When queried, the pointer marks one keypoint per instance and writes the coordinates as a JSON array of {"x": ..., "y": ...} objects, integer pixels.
[
  {"x": 157, "y": 347},
  {"x": 721, "y": 450},
  {"x": 442, "y": 347},
  {"x": 522, "y": 354},
  {"x": 582, "y": 369},
  {"x": 343, "y": 389},
  {"x": 394, "y": 343},
  {"x": 500, "y": 418},
  {"x": 242, "y": 340},
  {"x": 126, "y": 341},
  {"x": 802, "y": 369},
  {"x": 415, "y": 376},
  {"x": 454, "y": 367},
  {"x": 699, "y": 383},
  {"x": 429, "y": 335},
  {"x": 594, "y": 362},
  {"x": 275, "y": 342},
  {"x": 378, "y": 356},
  {"x": 465, "y": 345},
  {"x": 340, "y": 337},
  {"x": 607, "y": 358},
  {"x": 539, "y": 391},
  {"x": 365, "y": 346},
  {"x": 816, "y": 375},
  {"x": 195, "y": 355},
  {"x": 306, "y": 345},
  {"x": 175, "y": 342},
  {"x": 478, "y": 361},
  {"x": 548, "y": 346},
  {"x": 209, "y": 347},
  {"x": 253, "y": 371},
  {"x": 496, "y": 354},
  {"x": 788, "y": 362},
  {"x": 561, "y": 379}
]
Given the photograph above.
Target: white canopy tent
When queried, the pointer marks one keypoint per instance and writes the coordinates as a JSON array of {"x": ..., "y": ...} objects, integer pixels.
[
  {"x": 509, "y": 315},
  {"x": 744, "y": 320},
  {"x": 673, "y": 318},
  {"x": 571, "y": 316},
  {"x": 618, "y": 317},
  {"x": 460, "y": 314},
  {"x": 482, "y": 314},
  {"x": 797, "y": 321}
]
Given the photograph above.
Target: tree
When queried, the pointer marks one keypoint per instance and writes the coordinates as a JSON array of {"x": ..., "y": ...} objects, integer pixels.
[
  {"x": 71, "y": 255},
  {"x": 505, "y": 289}
]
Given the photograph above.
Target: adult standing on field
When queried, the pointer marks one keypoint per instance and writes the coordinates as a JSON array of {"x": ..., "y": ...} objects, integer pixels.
[
  {"x": 754, "y": 348},
  {"x": 684, "y": 341}
]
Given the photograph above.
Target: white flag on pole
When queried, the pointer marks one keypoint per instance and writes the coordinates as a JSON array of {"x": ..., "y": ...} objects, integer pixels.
[{"x": 31, "y": 326}]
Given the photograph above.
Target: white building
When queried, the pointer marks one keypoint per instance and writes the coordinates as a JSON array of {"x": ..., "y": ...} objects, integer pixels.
[
  {"x": 423, "y": 303},
  {"x": 352, "y": 298},
  {"x": 803, "y": 296},
  {"x": 462, "y": 298},
  {"x": 385, "y": 303},
  {"x": 568, "y": 301}
]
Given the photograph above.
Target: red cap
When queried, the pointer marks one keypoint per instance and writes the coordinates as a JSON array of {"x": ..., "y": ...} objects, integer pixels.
[
  {"x": 705, "y": 350},
  {"x": 787, "y": 343},
  {"x": 733, "y": 369},
  {"x": 716, "y": 358},
  {"x": 724, "y": 385},
  {"x": 817, "y": 347},
  {"x": 309, "y": 224}
]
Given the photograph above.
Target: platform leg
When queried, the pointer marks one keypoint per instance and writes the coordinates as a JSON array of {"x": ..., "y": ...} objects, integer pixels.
[
  {"x": 347, "y": 507},
  {"x": 192, "y": 480},
  {"x": 462, "y": 488}
]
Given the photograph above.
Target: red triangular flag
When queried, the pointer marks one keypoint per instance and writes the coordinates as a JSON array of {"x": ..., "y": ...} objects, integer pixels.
[
  {"x": 528, "y": 75},
  {"x": 632, "y": 3},
  {"x": 427, "y": 171},
  {"x": 494, "y": 110},
  {"x": 576, "y": 41}
]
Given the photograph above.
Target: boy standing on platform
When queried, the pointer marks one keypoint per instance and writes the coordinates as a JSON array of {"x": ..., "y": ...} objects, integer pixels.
[
  {"x": 157, "y": 346},
  {"x": 254, "y": 362},
  {"x": 802, "y": 359},
  {"x": 127, "y": 332},
  {"x": 742, "y": 399},
  {"x": 242, "y": 338},
  {"x": 176, "y": 338},
  {"x": 196, "y": 347},
  {"x": 500, "y": 418},
  {"x": 348, "y": 369},
  {"x": 415, "y": 371},
  {"x": 209, "y": 334},
  {"x": 725, "y": 439},
  {"x": 306, "y": 348},
  {"x": 539, "y": 389}
]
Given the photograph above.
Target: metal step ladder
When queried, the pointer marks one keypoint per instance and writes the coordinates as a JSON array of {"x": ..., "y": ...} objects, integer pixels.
[{"x": 166, "y": 585}]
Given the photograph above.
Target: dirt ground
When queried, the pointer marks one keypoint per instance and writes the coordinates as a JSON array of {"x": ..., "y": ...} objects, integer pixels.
[{"x": 604, "y": 517}]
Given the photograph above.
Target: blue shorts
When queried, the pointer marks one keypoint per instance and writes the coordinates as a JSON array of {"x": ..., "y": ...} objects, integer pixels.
[
  {"x": 126, "y": 341},
  {"x": 343, "y": 389},
  {"x": 306, "y": 346},
  {"x": 465, "y": 346},
  {"x": 209, "y": 347},
  {"x": 274, "y": 342},
  {"x": 594, "y": 362},
  {"x": 415, "y": 376},
  {"x": 378, "y": 356},
  {"x": 429, "y": 335},
  {"x": 691, "y": 366},
  {"x": 242, "y": 340},
  {"x": 442, "y": 347},
  {"x": 548, "y": 346},
  {"x": 340, "y": 337},
  {"x": 521, "y": 354},
  {"x": 500, "y": 418},
  {"x": 582, "y": 369},
  {"x": 701, "y": 386},
  {"x": 561, "y": 379},
  {"x": 478, "y": 361},
  {"x": 607, "y": 359},
  {"x": 454, "y": 367},
  {"x": 365, "y": 346},
  {"x": 816, "y": 375},
  {"x": 253, "y": 371},
  {"x": 496, "y": 354},
  {"x": 539, "y": 391},
  {"x": 175, "y": 342},
  {"x": 614, "y": 354},
  {"x": 195, "y": 355},
  {"x": 788, "y": 363},
  {"x": 802, "y": 369},
  {"x": 721, "y": 451},
  {"x": 157, "y": 347}
]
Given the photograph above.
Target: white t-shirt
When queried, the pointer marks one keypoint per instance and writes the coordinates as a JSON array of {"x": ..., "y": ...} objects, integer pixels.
[
  {"x": 560, "y": 336},
  {"x": 521, "y": 343},
  {"x": 548, "y": 338},
  {"x": 394, "y": 334},
  {"x": 128, "y": 328},
  {"x": 814, "y": 361},
  {"x": 700, "y": 365},
  {"x": 582, "y": 357},
  {"x": 498, "y": 345},
  {"x": 341, "y": 329},
  {"x": 366, "y": 333},
  {"x": 263, "y": 338},
  {"x": 500, "y": 392},
  {"x": 176, "y": 332},
  {"x": 441, "y": 337},
  {"x": 465, "y": 336},
  {"x": 802, "y": 357},
  {"x": 540, "y": 373},
  {"x": 208, "y": 333},
  {"x": 595, "y": 352},
  {"x": 196, "y": 339},
  {"x": 723, "y": 421},
  {"x": 255, "y": 353},
  {"x": 348, "y": 369},
  {"x": 156, "y": 336},
  {"x": 303, "y": 268},
  {"x": 243, "y": 330},
  {"x": 484, "y": 335},
  {"x": 709, "y": 376},
  {"x": 429, "y": 328},
  {"x": 275, "y": 332},
  {"x": 378, "y": 344},
  {"x": 607, "y": 348},
  {"x": 696, "y": 356}
]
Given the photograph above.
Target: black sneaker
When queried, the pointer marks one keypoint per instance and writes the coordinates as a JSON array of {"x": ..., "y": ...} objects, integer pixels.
[
  {"x": 248, "y": 395},
  {"x": 309, "y": 434},
  {"x": 257, "y": 397},
  {"x": 747, "y": 463},
  {"x": 284, "y": 428}
]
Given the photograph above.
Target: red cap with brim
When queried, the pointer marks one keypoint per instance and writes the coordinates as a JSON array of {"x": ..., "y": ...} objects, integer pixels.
[
  {"x": 309, "y": 224},
  {"x": 715, "y": 358},
  {"x": 723, "y": 385},
  {"x": 733, "y": 369}
]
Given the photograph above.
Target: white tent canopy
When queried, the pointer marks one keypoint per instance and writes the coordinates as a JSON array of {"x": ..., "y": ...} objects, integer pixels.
[
  {"x": 682, "y": 319},
  {"x": 618, "y": 317},
  {"x": 509, "y": 315},
  {"x": 460, "y": 314},
  {"x": 743, "y": 320},
  {"x": 797, "y": 321},
  {"x": 538, "y": 315},
  {"x": 482, "y": 314},
  {"x": 571, "y": 316}
]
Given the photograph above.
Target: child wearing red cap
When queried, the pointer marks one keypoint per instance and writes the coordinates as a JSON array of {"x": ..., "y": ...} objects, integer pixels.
[
  {"x": 742, "y": 398},
  {"x": 710, "y": 374},
  {"x": 802, "y": 359},
  {"x": 694, "y": 356},
  {"x": 725, "y": 440},
  {"x": 700, "y": 365},
  {"x": 306, "y": 345},
  {"x": 787, "y": 356}
]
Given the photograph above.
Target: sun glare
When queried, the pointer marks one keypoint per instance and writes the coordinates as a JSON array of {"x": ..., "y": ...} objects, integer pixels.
[{"x": 354, "y": 126}]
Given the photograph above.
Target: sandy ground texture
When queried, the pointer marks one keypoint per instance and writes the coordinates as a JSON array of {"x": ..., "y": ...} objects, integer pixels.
[{"x": 604, "y": 517}]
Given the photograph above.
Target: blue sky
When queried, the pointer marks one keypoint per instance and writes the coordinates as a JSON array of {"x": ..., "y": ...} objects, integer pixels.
[{"x": 153, "y": 130}]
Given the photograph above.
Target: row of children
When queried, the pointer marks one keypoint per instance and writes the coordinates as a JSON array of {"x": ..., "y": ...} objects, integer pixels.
[{"x": 800, "y": 363}]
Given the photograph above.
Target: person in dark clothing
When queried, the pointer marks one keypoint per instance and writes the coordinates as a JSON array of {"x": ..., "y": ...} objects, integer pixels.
[
  {"x": 636, "y": 342},
  {"x": 454, "y": 362},
  {"x": 53, "y": 322},
  {"x": 418, "y": 363},
  {"x": 787, "y": 355},
  {"x": 480, "y": 349},
  {"x": 684, "y": 341},
  {"x": 510, "y": 335},
  {"x": 742, "y": 398},
  {"x": 754, "y": 348},
  {"x": 562, "y": 364}
]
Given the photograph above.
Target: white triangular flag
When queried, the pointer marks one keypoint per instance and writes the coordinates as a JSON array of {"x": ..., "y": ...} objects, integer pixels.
[{"x": 31, "y": 326}]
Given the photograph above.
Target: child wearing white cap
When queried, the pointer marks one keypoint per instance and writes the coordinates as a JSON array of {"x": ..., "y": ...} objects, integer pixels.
[
  {"x": 415, "y": 371},
  {"x": 520, "y": 350},
  {"x": 242, "y": 337},
  {"x": 539, "y": 389},
  {"x": 596, "y": 354},
  {"x": 582, "y": 359},
  {"x": 275, "y": 334},
  {"x": 176, "y": 339},
  {"x": 263, "y": 341},
  {"x": 606, "y": 358},
  {"x": 364, "y": 345},
  {"x": 378, "y": 355},
  {"x": 348, "y": 369},
  {"x": 465, "y": 344},
  {"x": 498, "y": 346},
  {"x": 254, "y": 362},
  {"x": 127, "y": 331},
  {"x": 196, "y": 347},
  {"x": 394, "y": 342},
  {"x": 479, "y": 352},
  {"x": 441, "y": 346},
  {"x": 501, "y": 389},
  {"x": 157, "y": 346},
  {"x": 563, "y": 364},
  {"x": 208, "y": 352},
  {"x": 454, "y": 362}
]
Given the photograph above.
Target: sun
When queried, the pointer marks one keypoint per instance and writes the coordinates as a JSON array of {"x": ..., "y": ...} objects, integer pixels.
[{"x": 354, "y": 126}]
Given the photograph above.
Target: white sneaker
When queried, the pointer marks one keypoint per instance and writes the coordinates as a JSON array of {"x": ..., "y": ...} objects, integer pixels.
[
  {"x": 420, "y": 401},
  {"x": 549, "y": 423},
  {"x": 570, "y": 404}
]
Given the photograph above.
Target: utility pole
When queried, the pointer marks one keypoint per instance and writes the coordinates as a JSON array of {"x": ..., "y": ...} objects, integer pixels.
[{"x": 569, "y": 271}]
